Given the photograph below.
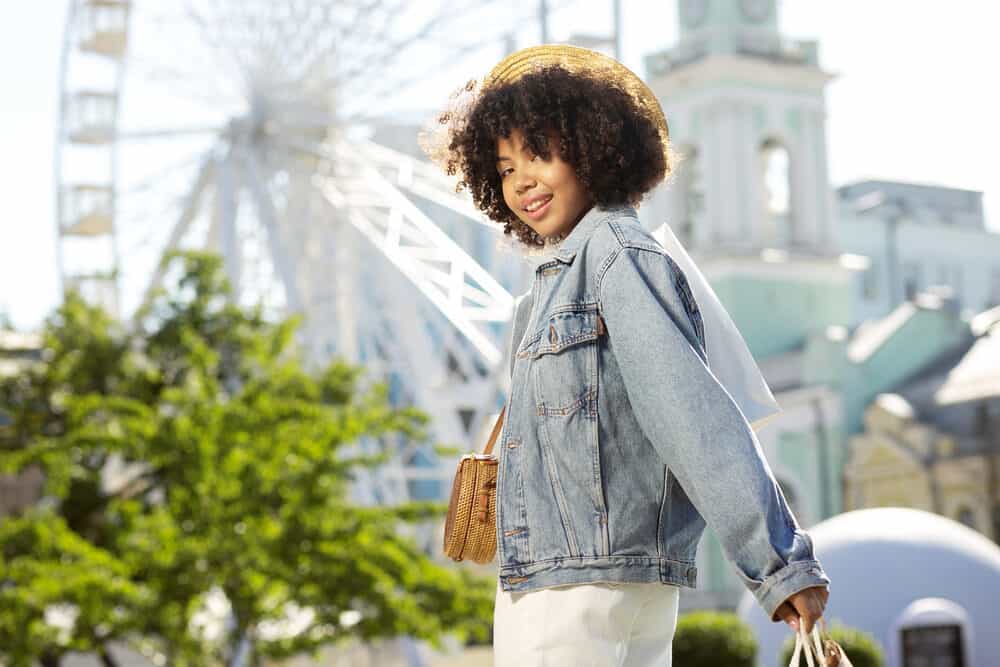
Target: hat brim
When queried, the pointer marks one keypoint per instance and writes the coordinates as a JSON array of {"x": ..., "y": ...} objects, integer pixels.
[{"x": 580, "y": 60}]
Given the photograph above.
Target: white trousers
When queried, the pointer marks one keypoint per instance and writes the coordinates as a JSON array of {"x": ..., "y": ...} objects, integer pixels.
[{"x": 586, "y": 625}]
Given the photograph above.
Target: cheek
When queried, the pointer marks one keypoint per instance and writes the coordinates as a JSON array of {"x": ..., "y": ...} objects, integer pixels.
[{"x": 508, "y": 196}]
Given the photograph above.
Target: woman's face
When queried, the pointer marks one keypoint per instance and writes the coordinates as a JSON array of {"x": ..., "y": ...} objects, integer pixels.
[{"x": 544, "y": 194}]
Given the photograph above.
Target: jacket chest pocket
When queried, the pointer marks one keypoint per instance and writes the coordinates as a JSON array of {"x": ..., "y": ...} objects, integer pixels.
[{"x": 563, "y": 354}]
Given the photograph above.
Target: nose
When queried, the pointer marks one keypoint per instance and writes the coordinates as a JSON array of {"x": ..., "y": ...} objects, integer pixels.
[{"x": 524, "y": 182}]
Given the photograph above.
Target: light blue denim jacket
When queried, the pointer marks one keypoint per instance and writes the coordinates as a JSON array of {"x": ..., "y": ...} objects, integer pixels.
[{"x": 618, "y": 443}]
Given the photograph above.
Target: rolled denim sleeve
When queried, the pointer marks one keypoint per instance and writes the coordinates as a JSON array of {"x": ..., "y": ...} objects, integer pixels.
[{"x": 656, "y": 336}]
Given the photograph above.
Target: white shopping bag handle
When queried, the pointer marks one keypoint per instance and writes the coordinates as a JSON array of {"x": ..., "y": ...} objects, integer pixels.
[{"x": 802, "y": 645}]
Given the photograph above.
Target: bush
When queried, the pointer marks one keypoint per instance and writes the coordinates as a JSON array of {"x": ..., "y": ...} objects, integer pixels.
[
  {"x": 710, "y": 639},
  {"x": 861, "y": 648}
]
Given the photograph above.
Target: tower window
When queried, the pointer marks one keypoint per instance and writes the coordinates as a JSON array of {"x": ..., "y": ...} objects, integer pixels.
[
  {"x": 692, "y": 196},
  {"x": 869, "y": 282},
  {"x": 911, "y": 279},
  {"x": 776, "y": 196}
]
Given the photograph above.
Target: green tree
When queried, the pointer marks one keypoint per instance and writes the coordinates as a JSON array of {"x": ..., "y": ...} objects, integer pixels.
[
  {"x": 709, "y": 638},
  {"x": 197, "y": 459},
  {"x": 59, "y": 592}
]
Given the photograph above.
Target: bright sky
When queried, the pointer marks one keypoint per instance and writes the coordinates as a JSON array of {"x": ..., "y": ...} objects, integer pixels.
[{"x": 912, "y": 101}]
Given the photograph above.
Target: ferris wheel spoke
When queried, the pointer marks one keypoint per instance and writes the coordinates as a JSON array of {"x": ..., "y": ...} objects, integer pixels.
[
  {"x": 319, "y": 60},
  {"x": 153, "y": 180},
  {"x": 317, "y": 45},
  {"x": 238, "y": 67},
  {"x": 180, "y": 229},
  {"x": 225, "y": 211},
  {"x": 369, "y": 34},
  {"x": 354, "y": 75},
  {"x": 191, "y": 84},
  {"x": 268, "y": 216},
  {"x": 287, "y": 34},
  {"x": 396, "y": 50},
  {"x": 167, "y": 133}
]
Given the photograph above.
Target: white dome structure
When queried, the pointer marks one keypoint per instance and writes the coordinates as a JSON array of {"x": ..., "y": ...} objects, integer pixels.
[{"x": 905, "y": 576}]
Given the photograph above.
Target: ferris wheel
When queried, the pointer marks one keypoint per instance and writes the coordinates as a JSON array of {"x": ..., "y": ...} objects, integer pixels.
[{"x": 259, "y": 129}]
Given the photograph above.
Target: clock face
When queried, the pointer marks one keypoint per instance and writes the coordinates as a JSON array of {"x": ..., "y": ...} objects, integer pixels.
[
  {"x": 693, "y": 12},
  {"x": 756, "y": 10}
]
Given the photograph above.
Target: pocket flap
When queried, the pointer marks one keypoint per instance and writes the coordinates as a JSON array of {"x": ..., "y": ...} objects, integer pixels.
[{"x": 564, "y": 329}]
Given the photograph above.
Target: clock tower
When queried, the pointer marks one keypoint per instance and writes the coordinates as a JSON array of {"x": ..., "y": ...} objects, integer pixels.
[
  {"x": 750, "y": 200},
  {"x": 730, "y": 24},
  {"x": 745, "y": 107}
]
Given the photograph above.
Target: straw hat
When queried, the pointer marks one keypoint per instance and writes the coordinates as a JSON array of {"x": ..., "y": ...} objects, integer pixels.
[{"x": 579, "y": 60}]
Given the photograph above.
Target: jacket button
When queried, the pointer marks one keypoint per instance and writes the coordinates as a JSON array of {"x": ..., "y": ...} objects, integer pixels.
[{"x": 553, "y": 336}]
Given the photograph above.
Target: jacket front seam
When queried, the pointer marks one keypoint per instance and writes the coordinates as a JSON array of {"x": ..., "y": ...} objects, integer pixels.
[{"x": 557, "y": 491}]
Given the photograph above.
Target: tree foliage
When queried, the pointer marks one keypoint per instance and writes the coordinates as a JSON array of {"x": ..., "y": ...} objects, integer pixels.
[
  {"x": 195, "y": 463},
  {"x": 708, "y": 638}
]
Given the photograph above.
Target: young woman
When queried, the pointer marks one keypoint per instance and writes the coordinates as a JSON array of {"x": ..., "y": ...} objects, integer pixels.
[{"x": 628, "y": 424}]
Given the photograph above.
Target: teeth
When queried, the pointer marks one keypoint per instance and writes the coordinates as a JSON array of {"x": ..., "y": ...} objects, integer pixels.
[{"x": 535, "y": 205}]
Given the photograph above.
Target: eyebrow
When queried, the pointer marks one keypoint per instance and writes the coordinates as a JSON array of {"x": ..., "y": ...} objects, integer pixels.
[{"x": 524, "y": 147}]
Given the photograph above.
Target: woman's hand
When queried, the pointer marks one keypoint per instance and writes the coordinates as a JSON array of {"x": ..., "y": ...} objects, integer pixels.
[{"x": 807, "y": 605}]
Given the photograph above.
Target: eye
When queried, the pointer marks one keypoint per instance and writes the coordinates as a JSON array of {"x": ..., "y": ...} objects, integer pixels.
[{"x": 504, "y": 172}]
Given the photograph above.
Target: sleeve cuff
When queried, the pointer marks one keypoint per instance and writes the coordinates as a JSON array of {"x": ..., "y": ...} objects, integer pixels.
[{"x": 788, "y": 581}]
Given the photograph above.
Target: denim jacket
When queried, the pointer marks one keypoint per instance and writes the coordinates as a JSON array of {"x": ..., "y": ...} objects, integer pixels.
[{"x": 619, "y": 444}]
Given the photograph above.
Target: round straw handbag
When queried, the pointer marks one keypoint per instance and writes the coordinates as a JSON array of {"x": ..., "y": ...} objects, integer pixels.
[{"x": 470, "y": 529}]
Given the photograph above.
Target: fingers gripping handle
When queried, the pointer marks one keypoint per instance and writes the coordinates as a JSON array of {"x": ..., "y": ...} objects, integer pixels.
[{"x": 802, "y": 645}]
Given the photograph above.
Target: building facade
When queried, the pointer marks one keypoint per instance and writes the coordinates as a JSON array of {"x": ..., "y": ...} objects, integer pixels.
[
  {"x": 932, "y": 442},
  {"x": 833, "y": 270}
]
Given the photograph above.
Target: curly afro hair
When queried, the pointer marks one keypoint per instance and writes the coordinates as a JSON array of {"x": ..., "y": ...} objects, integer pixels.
[{"x": 614, "y": 147}]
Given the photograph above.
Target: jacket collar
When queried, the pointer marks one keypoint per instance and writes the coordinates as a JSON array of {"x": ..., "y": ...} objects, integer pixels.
[{"x": 591, "y": 220}]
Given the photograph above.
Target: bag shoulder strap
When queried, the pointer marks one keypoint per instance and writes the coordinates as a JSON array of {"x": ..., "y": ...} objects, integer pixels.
[{"x": 496, "y": 431}]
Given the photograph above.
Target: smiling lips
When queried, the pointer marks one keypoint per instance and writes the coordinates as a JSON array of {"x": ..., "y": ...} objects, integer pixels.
[{"x": 536, "y": 206}]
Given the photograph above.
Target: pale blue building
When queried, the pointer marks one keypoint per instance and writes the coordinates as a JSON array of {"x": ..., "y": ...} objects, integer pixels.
[{"x": 807, "y": 272}]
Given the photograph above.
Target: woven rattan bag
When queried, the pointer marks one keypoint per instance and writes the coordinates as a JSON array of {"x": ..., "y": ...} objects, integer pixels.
[{"x": 470, "y": 529}]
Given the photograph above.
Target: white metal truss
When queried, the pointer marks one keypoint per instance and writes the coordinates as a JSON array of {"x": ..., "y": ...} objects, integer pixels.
[
  {"x": 451, "y": 279},
  {"x": 240, "y": 126}
]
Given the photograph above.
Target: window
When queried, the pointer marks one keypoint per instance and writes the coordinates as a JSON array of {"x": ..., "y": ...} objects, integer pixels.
[
  {"x": 911, "y": 279},
  {"x": 933, "y": 646},
  {"x": 967, "y": 517},
  {"x": 776, "y": 177},
  {"x": 869, "y": 282},
  {"x": 776, "y": 172}
]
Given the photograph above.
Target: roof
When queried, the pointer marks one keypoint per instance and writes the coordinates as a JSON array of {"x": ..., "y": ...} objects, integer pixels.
[
  {"x": 977, "y": 376},
  {"x": 948, "y": 392},
  {"x": 873, "y": 334}
]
